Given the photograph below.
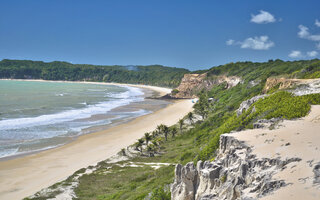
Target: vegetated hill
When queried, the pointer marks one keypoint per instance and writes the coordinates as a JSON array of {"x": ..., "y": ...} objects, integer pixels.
[
  {"x": 246, "y": 73},
  {"x": 150, "y": 75}
]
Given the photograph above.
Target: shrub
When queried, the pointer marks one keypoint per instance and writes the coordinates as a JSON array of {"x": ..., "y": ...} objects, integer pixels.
[{"x": 160, "y": 194}]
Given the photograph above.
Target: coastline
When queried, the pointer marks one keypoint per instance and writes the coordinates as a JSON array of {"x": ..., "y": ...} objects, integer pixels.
[
  {"x": 23, "y": 176},
  {"x": 161, "y": 90}
]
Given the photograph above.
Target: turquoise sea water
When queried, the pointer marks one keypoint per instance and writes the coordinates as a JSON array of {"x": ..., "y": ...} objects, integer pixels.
[{"x": 41, "y": 115}]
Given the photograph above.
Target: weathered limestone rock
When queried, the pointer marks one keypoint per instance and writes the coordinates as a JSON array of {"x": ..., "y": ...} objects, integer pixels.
[
  {"x": 191, "y": 84},
  {"x": 302, "y": 86},
  {"x": 266, "y": 123},
  {"x": 245, "y": 105},
  {"x": 185, "y": 181},
  {"x": 235, "y": 174},
  {"x": 316, "y": 171}
]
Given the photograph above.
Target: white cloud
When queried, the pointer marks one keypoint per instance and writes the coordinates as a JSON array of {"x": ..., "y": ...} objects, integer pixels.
[
  {"x": 257, "y": 43},
  {"x": 305, "y": 34},
  {"x": 299, "y": 54},
  {"x": 312, "y": 53},
  {"x": 230, "y": 42},
  {"x": 318, "y": 45},
  {"x": 317, "y": 23},
  {"x": 295, "y": 54},
  {"x": 263, "y": 17}
]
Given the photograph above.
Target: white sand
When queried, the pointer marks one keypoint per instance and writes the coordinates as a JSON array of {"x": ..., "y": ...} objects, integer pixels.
[
  {"x": 303, "y": 136},
  {"x": 26, "y": 175}
]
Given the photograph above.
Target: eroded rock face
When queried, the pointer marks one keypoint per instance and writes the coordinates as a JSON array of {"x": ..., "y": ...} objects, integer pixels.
[
  {"x": 301, "y": 86},
  {"x": 185, "y": 181},
  {"x": 191, "y": 84},
  {"x": 235, "y": 174},
  {"x": 245, "y": 105}
]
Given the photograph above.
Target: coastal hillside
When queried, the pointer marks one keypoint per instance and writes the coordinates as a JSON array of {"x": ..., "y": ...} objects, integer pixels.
[
  {"x": 148, "y": 75},
  {"x": 249, "y": 74},
  {"x": 209, "y": 154}
]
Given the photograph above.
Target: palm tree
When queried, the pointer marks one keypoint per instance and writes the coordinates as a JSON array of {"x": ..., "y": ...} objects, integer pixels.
[
  {"x": 190, "y": 117},
  {"x": 151, "y": 150},
  {"x": 123, "y": 152},
  {"x": 159, "y": 129},
  {"x": 147, "y": 137},
  {"x": 181, "y": 123},
  {"x": 154, "y": 142},
  {"x": 165, "y": 130},
  {"x": 174, "y": 131},
  {"x": 140, "y": 143},
  {"x": 154, "y": 133}
]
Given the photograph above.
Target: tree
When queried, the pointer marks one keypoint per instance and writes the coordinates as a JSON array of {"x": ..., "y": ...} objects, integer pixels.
[
  {"x": 139, "y": 144},
  {"x": 202, "y": 106},
  {"x": 147, "y": 137},
  {"x": 174, "y": 131},
  {"x": 151, "y": 150},
  {"x": 123, "y": 152},
  {"x": 154, "y": 133},
  {"x": 159, "y": 129},
  {"x": 190, "y": 117},
  {"x": 181, "y": 123},
  {"x": 165, "y": 130}
]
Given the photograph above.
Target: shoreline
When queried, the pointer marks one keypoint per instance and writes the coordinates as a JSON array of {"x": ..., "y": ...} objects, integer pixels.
[
  {"x": 161, "y": 90},
  {"x": 23, "y": 176},
  {"x": 149, "y": 91}
]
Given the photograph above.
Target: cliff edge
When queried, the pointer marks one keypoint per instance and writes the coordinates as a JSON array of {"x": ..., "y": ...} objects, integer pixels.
[
  {"x": 192, "y": 84},
  {"x": 282, "y": 163}
]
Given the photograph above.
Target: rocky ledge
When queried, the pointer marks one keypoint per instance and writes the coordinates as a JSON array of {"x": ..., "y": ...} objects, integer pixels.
[{"x": 236, "y": 173}]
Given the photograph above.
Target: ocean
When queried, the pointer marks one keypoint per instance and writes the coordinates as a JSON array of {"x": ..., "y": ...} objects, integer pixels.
[{"x": 39, "y": 115}]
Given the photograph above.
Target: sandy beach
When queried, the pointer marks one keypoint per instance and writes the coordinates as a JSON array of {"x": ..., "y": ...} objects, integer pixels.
[
  {"x": 23, "y": 176},
  {"x": 294, "y": 139},
  {"x": 161, "y": 90}
]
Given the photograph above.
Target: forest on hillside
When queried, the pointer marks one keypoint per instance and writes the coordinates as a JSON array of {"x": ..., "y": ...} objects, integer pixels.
[{"x": 149, "y": 75}]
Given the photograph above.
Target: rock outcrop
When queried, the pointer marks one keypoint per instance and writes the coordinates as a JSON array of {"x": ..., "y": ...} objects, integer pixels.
[
  {"x": 236, "y": 173},
  {"x": 191, "y": 84},
  {"x": 297, "y": 86},
  {"x": 245, "y": 105}
]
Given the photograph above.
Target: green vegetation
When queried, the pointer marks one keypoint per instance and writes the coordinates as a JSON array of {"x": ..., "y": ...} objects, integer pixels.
[
  {"x": 309, "y": 72},
  {"x": 122, "y": 181},
  {"x": 160, "y": 194},
  {"x": 254, "y": 70},
  {"x": 199, "y": 140},
  {"x": 279, "y": 105},
  {"x": 149, "y": 75}
]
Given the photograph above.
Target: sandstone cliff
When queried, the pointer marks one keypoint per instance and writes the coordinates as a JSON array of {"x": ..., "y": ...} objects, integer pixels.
[
  {"x": 191, "y": 84},
  {"x": 298, "y": 86}
]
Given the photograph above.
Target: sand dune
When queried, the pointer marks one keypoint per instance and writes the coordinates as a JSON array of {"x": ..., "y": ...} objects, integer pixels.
[{"x": 295, "y": 138}]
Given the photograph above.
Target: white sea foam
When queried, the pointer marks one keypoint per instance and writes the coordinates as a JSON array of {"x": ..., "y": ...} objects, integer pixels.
[
  {"x": 8, "y": 152},
  {"x": 132, "y": 95}
]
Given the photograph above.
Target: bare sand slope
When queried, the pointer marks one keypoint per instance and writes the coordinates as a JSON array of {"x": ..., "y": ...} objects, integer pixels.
[
  {"x": 24, "y": 176},
  {"x": 297, "y": 138}
]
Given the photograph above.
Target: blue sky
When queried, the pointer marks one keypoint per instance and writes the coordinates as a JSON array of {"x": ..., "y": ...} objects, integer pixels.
[{"x": 189, "y": 34}]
